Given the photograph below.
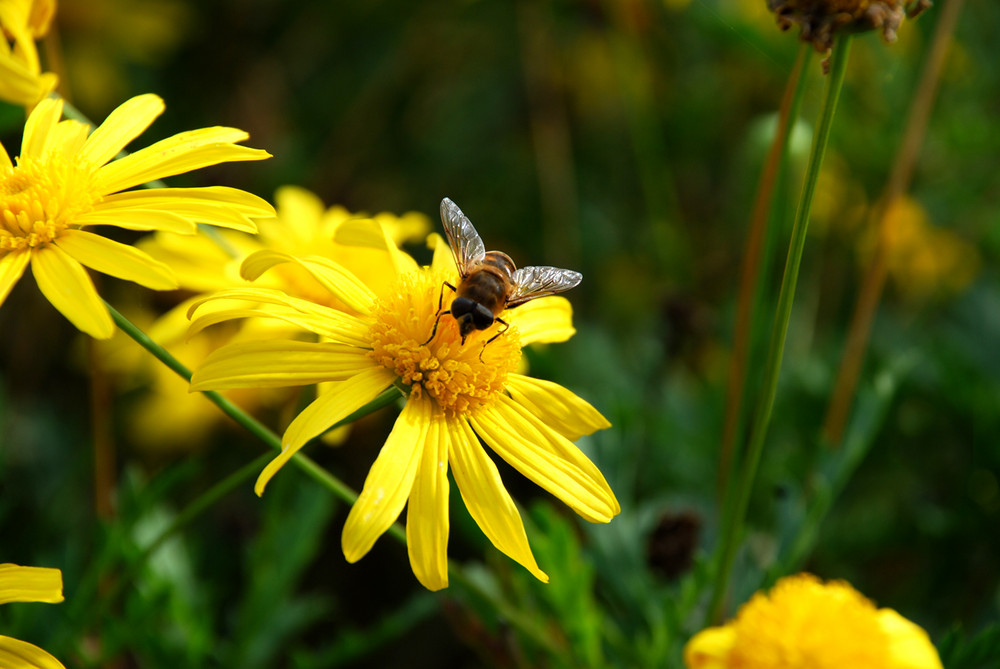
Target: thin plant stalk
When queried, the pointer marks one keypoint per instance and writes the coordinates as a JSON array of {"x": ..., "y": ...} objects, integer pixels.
[
  {"x": 860, "y": 328},
  {"x": 204, "y": 501},
  {"x": 751, "y": 269},
  {"x": 323, "y": 477},
  {"x": 772, "y": 367}
]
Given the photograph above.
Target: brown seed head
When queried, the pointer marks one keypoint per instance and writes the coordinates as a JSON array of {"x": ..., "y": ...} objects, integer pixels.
[{"x": 821, "y": 20}]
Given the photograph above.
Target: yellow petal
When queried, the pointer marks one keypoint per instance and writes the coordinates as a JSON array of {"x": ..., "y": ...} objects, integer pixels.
[
  {"x": 547, "y": 458},
  {"x": 547, "y": 320},
  {"x": 137, "y": 219},
  {"x": 115, "y": 259},
  {"x": 486, "y": 498},
  {"x": 443, "y": 260},
  {"x": 30, "y": 584},
  {"x": 40, "y": 17},
  {"x": 299, "y": 211},
  {"x": 39, "y": 126},
  {"x": 560, "y": 409},
  {"x": 372, "y": 234},
  {"x": 709, "y": 648},
  {"x": 341, "y": 283},
  {"x": 389, "y": 481},
  {"x": 5, "y": 162},
  {"x": 181, "y": 153},
  {"x": 68, "y": 137},
  {"x": 320, "y": 326},
  {"x": 340, "y": 402},
  {"x": 11, "y": 269},
  {"x": 66, "y": 285},
  {"x": 214, "y": 205},
  {"x": 124, "y": 124},
  {"x": 427, "y": 510},
  {"x": 331, "y": 323},
  {"x": 16, "y": 654},
  {"x": 276, "y": 364},
  {"x": 909, "y": 645}
]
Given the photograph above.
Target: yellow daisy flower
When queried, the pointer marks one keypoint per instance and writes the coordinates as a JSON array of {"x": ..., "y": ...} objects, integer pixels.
[
  {"x": 22, "y": 81},
  {"x": 28, "y": 584},
  {"x": 456, "y": 393},
  {"x": 803, "y": 622},
  {"x": 63, "y": 182}
]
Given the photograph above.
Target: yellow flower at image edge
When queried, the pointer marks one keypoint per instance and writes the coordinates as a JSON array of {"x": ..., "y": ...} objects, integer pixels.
[
  {"x": 65, "y": 180},
  {"x": 22, "y": 81},
  {"x": 28, "y": 584},
  {"x": 803, "y": 622},
  {"x": 458, "y": 393}
]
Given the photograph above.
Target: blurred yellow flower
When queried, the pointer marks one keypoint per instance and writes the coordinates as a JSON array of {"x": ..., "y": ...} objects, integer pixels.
[
  {"x": 302, "y": 226},
  {"x": 22, "y": 81},
  {"x": 456, "y": 394},
  {"x": 803, "y": 622},
  {"x": 206, "y": 263},
  {"x": 924, "y": 261},
  {"x": 150, "y": 390},
  {"x": 104, "y": 40},
  {"x": 63, "y": 182},
  {"x": 28, "y": 584}
]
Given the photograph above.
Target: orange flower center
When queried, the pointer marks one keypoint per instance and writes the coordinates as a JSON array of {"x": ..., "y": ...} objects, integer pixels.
[
  {"x": 40, "y": 200},
  {"x": 460, "y": 377}
]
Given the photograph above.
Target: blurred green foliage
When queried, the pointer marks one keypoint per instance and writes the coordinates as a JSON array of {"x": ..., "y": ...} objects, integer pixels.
[{"x": 622, "y": 138}]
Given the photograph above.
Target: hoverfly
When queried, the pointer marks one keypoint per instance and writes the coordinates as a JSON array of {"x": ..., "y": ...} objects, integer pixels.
[{"x": 490, "y": 282}]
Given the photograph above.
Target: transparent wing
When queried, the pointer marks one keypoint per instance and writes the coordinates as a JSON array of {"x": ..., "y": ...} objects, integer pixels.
[
  {"x": 465, "y": 242},
  {"x": 532, "y": 282}
]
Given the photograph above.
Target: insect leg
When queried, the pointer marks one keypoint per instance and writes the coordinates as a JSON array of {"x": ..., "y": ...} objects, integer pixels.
[
  {"x": 439, "y": 312},
  {"x": 506, "y": 326}
]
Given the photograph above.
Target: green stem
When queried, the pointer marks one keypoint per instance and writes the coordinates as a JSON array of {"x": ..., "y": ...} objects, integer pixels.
[
  {"x": 756, "y": 255},
  {"x": 89, "y": 583},
  {"x": 247, "y": 421},
  {"x": 772, "y": 367}
]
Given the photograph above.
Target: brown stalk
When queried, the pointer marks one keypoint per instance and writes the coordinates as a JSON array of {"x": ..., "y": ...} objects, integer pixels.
[{"x": 897, "y": 184}]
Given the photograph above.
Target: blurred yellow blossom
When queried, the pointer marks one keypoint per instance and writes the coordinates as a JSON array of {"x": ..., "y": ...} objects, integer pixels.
[
  {"x": 923, "y": 261},
  {"x": 210, "y": 262},
  {"x": 151, "y": 391},
  {"x": 102, "y": 40},
  {"x": 303, "y": 226},
  {"x": 22, "y": 81},
  {"x": 28, "y": 584},
  {"x": 803, "y": 622}
]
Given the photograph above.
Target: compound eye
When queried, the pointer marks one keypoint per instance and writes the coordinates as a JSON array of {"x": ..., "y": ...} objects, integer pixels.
[
  {"x": 461, "y": 306},
  {"x": 482, "y": 317}
]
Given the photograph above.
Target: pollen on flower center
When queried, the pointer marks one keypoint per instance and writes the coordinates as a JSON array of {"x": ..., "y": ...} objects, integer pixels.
[
  {"x": 38, "y": 200},
  {"x": 460, "y": 377}
]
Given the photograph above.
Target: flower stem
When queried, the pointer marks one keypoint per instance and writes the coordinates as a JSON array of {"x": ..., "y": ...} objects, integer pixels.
[
  {"x": 247, "y": 421},
  {"x": 750, "y": 271},
  {"x": 772, "y": 367}
]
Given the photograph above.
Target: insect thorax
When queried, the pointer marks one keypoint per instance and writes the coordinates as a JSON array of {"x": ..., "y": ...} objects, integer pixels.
[{"x": 486, "y": 286}]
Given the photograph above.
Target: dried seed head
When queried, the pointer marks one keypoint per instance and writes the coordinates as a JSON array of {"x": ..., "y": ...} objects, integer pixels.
[{"x": 820, "y": 20}]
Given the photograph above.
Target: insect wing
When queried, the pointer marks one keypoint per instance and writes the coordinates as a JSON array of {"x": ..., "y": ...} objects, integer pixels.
[
  {"x": 532, "y": 282},
  {"x": 465, "y": 242}
]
